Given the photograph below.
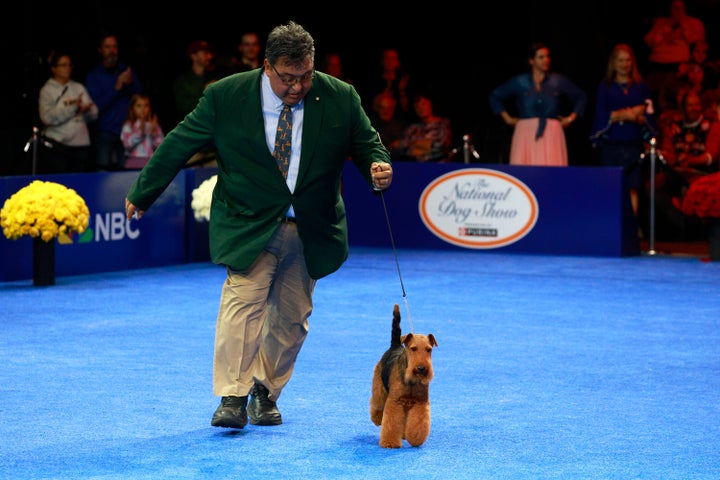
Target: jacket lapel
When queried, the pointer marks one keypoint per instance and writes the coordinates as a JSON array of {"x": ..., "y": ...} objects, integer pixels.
[{"x": 314, "y": 111}]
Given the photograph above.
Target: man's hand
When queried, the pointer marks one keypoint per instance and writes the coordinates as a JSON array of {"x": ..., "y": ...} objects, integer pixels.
[
  {"x": 131, "y": 211},
  {"x": 381, "y": 175}
]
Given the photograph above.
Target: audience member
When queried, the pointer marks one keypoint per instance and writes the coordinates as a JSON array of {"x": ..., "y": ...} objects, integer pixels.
[
  {"x": 243, "y": 57},
  {"x": 699, "y": 56},
  {"x": 223, "y": 64},
  {"x": 65, "y": 107},
  {"x": 332, "y": 65},
  {"x": 624, "y": 119},
  {"x": 711, "y": 102},
  {"x": 538, "y": 137},
  {"x": 249, "y": 49},
  {"x": 391, "y": 77},
  {"x": 690, "y": 147},
  {"x": 693, "y": 79},
  {"x": 111, "y": 84},
  {"x": 141, "y": 133},
  {"x": 189, "y": 86},
  {"x": 388, "y": 123},
  {"x": 670, "y": 40},
  {"x": 427, "y": 140}
]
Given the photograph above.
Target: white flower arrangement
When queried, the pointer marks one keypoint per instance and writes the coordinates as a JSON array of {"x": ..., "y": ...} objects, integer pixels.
[{"x": 202, "y": 198}]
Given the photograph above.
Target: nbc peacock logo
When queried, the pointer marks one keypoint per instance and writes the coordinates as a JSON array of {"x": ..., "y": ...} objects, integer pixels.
[{"x": 68, "y": 239}]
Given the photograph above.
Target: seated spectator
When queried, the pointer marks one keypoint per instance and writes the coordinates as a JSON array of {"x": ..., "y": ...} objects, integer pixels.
[
  {"x": 692, "y": 79},
  {"x": 141, "y": 134},
  {"x": 711, "y": 102},
  {"x": 429, "y": 139},
  {"x": 690, "y": 146},
  {"x": 387, "y": 121},
  {"x": 699, "y": 56}
]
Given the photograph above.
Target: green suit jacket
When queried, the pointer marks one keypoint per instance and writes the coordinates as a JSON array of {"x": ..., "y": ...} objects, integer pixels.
[{"x": 251, "y": 198}]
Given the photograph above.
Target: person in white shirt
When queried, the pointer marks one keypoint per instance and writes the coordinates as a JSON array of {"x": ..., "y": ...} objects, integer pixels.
[{"x": 65, "y": 108}]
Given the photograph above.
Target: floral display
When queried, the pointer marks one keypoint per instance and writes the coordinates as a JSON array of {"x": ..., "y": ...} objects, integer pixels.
[
  {"x": 44, "y": 210},
  {"x": 202, "y": 198},
  {"x": 703, "y": 197}
]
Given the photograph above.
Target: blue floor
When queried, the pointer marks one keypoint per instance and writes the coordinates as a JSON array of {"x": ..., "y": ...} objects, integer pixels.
[{"x": 547, "y": 368}]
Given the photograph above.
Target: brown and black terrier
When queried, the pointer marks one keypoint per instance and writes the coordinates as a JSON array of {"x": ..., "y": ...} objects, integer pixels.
[{"x": 400, "y": 401}]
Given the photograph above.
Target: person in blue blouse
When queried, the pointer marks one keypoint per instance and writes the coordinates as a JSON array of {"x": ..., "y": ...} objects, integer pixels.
[
  {"x": 624, "y": 119},
  {"x": 538, "y": 136}
]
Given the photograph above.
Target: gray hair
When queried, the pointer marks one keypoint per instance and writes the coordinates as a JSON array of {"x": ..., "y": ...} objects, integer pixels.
[{"x": 291, "y": 41}]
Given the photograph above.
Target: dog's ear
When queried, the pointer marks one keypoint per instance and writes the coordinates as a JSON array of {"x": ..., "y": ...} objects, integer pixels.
[
  {"x": 431, "y": 337},
  {"x": 406, "y": 338}
]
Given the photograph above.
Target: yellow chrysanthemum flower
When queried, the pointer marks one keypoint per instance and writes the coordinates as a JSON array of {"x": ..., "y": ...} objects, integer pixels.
[{"x": 45, "y": 210}]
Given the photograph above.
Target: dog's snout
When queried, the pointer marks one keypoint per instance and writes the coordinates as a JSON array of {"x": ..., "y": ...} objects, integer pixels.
[{"x": 421, "y": 370}]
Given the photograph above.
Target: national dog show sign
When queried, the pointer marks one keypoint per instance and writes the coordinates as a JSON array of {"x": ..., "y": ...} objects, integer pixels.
[{"x": 478, "y": 208}]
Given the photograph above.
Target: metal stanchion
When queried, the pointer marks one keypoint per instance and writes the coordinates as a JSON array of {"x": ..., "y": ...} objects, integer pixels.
[
  {"x": 33, "y": 142},
  {"x": 469, "y": 149},
  {"x": 654, "y": 156}
]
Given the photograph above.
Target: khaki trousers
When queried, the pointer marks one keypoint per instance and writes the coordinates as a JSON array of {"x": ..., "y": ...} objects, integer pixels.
[{"x": 263, "y": 318}]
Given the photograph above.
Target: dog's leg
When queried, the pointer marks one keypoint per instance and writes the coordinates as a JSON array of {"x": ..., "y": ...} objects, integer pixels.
[
  {"x": 417, "y": 427},
  {"x": 393, "y": 424},
  {"x": 378, "y": 397},
  {"x": 395, "y": 415}
]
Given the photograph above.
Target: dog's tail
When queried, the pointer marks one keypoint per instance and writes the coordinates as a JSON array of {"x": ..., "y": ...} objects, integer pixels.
[{"x": 396, "y": 335}]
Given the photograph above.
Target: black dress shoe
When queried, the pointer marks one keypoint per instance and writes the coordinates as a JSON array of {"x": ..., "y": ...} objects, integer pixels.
[
  {"x": 230, "y": 413},
  {"x": 262, "y": 410}
]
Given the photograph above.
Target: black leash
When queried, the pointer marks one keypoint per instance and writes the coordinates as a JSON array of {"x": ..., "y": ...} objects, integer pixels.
[{"x": 397, "y": 263}]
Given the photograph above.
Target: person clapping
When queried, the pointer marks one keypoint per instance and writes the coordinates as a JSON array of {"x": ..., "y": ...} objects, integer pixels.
[{"x": 65, "y": 108}]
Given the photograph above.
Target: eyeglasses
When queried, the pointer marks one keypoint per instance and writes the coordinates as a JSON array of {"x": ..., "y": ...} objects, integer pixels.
[{"x": 291, "y": 80}]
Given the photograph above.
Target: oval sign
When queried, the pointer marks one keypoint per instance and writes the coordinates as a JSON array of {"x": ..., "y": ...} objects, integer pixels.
[{"x": 478, "y": 208}]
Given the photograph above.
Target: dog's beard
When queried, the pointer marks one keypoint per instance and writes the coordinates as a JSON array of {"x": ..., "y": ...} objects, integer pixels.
[{"x": 417, "y": 377}]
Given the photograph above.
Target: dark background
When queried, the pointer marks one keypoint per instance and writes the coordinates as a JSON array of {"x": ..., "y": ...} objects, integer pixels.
[{"x": 459, "y": 52}]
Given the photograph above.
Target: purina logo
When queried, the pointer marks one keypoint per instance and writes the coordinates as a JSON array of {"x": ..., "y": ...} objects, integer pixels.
[
  {"x": 107, "y": 227},
  {"x": 478, "y": 208}
]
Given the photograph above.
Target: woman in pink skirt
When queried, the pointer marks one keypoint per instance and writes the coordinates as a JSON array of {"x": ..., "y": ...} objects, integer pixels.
[{"x": 538, "y": 136}]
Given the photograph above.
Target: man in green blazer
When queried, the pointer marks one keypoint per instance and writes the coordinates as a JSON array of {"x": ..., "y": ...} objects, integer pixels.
[{"x": 275, "y": 234}]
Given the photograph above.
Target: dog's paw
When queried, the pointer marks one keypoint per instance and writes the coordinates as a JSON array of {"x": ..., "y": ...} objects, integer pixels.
[{"x": 390, "y": 445}]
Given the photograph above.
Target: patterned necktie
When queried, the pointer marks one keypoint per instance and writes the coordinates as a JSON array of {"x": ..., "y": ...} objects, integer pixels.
[{"x": 283, "y": 140}]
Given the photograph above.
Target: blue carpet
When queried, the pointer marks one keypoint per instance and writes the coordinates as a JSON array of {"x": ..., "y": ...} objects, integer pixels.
[{"x": 547, "y": 368}]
